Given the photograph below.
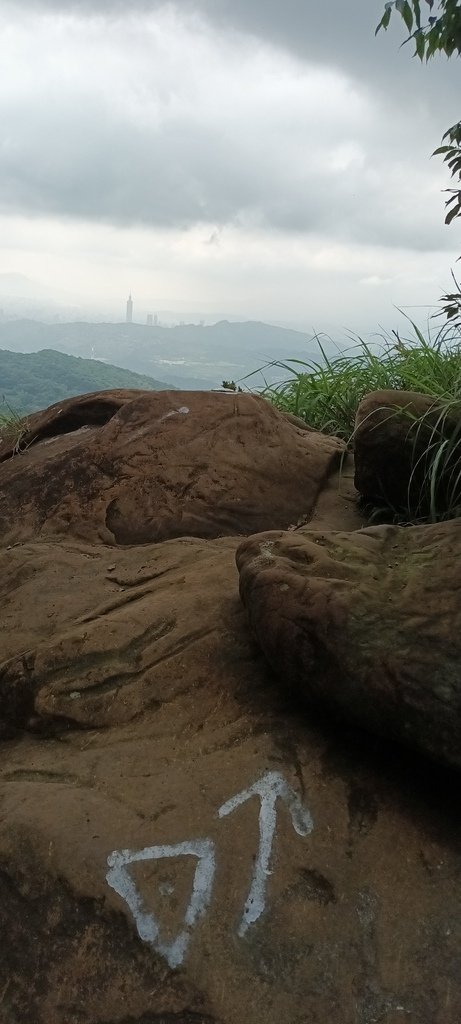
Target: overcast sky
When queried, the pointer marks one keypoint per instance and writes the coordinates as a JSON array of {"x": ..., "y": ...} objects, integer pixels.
[{"x": 267, "y": 158}]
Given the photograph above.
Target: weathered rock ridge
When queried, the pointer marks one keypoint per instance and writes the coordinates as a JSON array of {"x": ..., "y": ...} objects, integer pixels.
[
  {"x": 367, "y": 624},
  {"x": 142, "y": 467},
  {"x": 180, "y": 841}
]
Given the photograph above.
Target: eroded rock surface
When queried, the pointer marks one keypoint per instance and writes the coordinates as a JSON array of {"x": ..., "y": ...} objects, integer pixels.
[
  {"x": 280, "y": 871},
  {"x": 140, "y": 467},
  {"x": 368, "y": 624}
]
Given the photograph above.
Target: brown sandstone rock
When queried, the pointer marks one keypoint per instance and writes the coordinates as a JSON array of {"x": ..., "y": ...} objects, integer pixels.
[
  {"x": 107, "y": 637},
  {"x": 395, "y": 437},
  {"x": 136, "y": 467},
  {"x": 65, "y": 418},
  {"x": 322, "y": 877},
  {"x": 367, "y": 624}
]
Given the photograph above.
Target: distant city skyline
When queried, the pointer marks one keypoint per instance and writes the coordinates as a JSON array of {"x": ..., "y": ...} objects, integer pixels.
[{"x": 23, "y": 297}]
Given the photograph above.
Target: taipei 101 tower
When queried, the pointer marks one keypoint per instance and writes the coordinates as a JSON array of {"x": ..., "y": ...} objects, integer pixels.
[{"x": 129, "y": 310}]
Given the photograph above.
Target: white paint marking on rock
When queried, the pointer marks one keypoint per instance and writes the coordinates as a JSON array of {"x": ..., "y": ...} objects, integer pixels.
[
  {"x": 182, "y": 411},
  {"x": 269, "y": 788},
  {"x": 148, "y": 928}
]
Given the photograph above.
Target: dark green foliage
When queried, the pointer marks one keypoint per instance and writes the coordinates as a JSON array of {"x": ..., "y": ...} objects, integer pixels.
[
  {"x": 435, "y": 27},
  {"x": 452, "y": 157},
  {"x": 438, "y": 31},
  {"x": 33, "y": 381},
  {"x": 451, "y": 306}
]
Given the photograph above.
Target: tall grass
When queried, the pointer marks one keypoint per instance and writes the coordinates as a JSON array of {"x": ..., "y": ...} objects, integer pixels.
[
  {"x": 326, "y": 393},
  {"x": 434, "y": 482},
  {"x": 13, "y": 427}
]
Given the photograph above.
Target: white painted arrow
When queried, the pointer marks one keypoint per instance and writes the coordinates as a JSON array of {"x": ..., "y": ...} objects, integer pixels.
[{"x": 269, "y": 788}]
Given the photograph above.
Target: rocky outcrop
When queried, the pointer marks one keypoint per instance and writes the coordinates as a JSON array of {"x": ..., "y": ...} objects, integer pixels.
[
  {"x": 367, "y": 624},
  {"x": 110, "y": 630},
  {"x": 408, "y": 454},
  {"x": 181, "y": 841},
  {"x": 133, "y": 468},
  {"x": 177, "y": 842}
]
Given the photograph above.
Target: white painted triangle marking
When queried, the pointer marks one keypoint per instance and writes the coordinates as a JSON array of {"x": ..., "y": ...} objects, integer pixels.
[{"x": 119, "y": 879}]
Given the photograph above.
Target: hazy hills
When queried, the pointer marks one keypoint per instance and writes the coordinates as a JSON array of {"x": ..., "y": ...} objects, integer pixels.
[
  {"x": 190, "y": 356},
  {"x": 34, "y": 381}
]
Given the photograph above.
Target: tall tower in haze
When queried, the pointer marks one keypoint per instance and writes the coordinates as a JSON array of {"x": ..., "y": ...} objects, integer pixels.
[{"x": 129, "y": 310}]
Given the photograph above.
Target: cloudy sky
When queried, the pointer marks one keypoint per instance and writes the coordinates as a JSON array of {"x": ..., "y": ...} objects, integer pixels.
[{"x": 266, "y": 158}]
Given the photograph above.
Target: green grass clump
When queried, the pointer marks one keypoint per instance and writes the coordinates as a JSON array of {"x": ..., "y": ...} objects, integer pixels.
[
  {"x": 13, "y": 427},
  {"x": 434, "y": 483},
  {"x": 326, "y": 394}
]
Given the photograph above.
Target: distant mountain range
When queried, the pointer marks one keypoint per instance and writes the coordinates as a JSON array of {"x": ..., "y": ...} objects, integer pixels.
[
  {"x": 34, "y": 381},
  {"x": 190, "y": 356}
]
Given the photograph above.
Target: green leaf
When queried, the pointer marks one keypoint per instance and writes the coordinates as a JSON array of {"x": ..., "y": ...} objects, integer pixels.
[
  {"x": 384, "y": 20},
  {"x": 417, "y": 10},
  {"x": 454, "y": 212},
  {"x": 432, "y": 46},
  {"x": 420, "y": 43},
  {"x": 407, "y": 15}
]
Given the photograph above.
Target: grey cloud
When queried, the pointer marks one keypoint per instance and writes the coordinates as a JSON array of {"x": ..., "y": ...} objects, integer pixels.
[
  {"x": 334, "y": 33},
  {"x": 187, "y": 173},
  {"x": 342, "y": 36},
  {"x": 331, "y": 33},
  {"x": 87, "y": 158}
]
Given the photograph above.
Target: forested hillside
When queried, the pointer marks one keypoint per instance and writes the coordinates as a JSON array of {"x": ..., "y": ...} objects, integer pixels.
[{"x": 35, "y": 380}]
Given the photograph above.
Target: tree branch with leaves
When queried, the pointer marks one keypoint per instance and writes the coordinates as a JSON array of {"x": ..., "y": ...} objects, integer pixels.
[{"x": 434, "y": 26}]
